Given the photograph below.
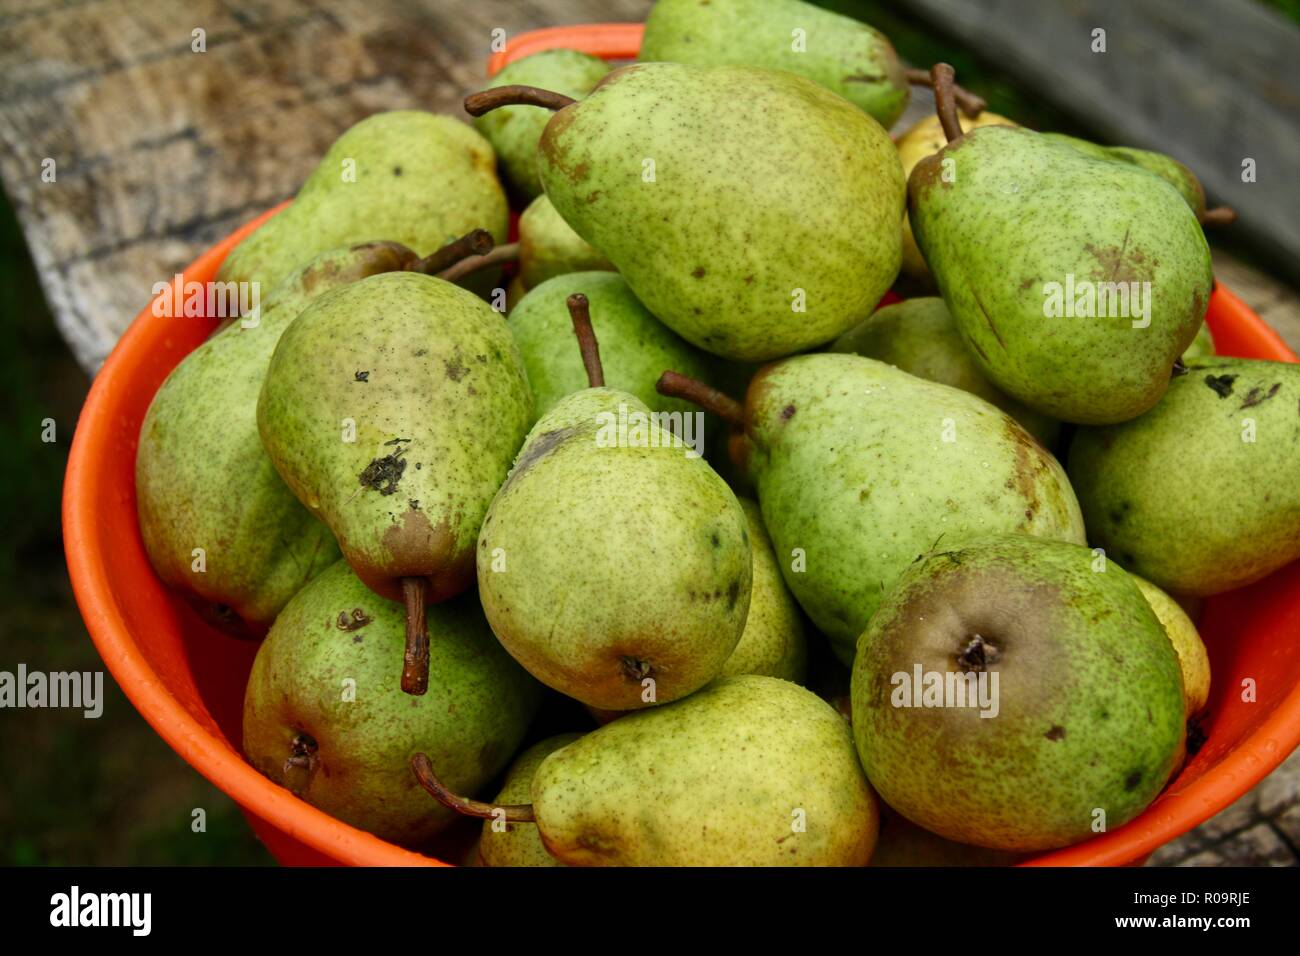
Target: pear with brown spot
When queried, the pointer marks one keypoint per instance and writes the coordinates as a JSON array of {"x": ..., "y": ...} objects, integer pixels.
[
  {"x": 392, "y": 409},
  {"x": 1017, "y": 693},
  {"x": 1077, "y": 282},
  {"x": 614, "y": 564},
  {"x": 203, "y": 479}
]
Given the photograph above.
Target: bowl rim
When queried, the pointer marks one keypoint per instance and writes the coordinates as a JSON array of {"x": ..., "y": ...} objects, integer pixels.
[{"x": 256, "y": 794}]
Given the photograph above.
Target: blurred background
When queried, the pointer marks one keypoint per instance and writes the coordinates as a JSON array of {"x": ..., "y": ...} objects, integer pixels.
[{"x": 160, "y": 149}]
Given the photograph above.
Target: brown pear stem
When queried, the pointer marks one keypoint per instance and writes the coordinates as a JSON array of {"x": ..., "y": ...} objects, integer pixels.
[
  {"x": 707, "y": 397},
  {"x": 476, "y": 104},
  {"x": 423, "y": 770},
  {"x": 580, "y": 312},
  {"x": 971, "y": 104},
  {"x": 471, "y": 264},
  {"x": 1219, "y": 216},
  {"x": 944, "y": 104},
  {"x": 479, "y": 242},
  {"x": 415, "y": 662}
]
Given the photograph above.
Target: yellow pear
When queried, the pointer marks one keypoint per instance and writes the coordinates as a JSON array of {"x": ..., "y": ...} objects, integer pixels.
[
  {"x": 1192, "y": 657},
  {"x": 924, "y": 139}
]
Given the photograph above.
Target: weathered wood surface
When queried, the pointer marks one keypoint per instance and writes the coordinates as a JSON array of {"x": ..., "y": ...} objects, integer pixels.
[
  {"x": 1212, "y": 82},
  {"x": 159, "y": 150}
]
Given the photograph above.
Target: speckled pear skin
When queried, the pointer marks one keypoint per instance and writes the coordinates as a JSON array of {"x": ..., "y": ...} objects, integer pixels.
[
  {"x": 840, "y": 53},
  {"x": 1139, "y": 486},
  {"x": 433, "y": 381},
  {"x": 717, "y": 779},
  {"x": 260, "y": 544},
  {"x": 1024, "y": 211},
  {"x": 770, "y": 193},
  {"x": 635, "y": 347},
  {"x": 1089, "y": 698},
  {"x": 420, "y": 179},
  {"x": 1166, "y": 167},
  {"x": 519, "y": 844},
  {"x": 472, "y": 719},
  {"x": 774, "y": 642},
  {"x": 920, "y": 337},
  {"x": 620, "y": 562},
  {"x": 513, "y": 131},
  {"x": 852, "y": 469},
  {"x": 548, "y": 246}
]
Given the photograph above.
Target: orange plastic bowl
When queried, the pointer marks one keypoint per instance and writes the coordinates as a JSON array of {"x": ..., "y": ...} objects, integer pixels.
[{"x": 188, "y": 680}]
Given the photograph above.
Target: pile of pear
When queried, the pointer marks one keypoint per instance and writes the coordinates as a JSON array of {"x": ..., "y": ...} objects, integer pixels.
[{"x": 480, "y": 593}]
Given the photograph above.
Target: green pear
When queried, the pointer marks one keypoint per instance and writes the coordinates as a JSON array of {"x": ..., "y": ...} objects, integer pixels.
[
  {"x": 406, "y": 176},
  {"x": 903, "y": 843},
  {"x": 548, "y": 246},
  {"x": 1014, "y": 693},
  {"x": 514, "y": 131},
  {"x": 614, "y": 564},
  {"x": 773, "y": 643},
  {"x": 1166, "y": 167},
  {"x": 920, "y": 337},
  {"x": 1221, "y": 451},
  {"x": 844, "y": 55},
  {"x": 749, "y": 771},
  {"x": 1076, "y": 282},
  {"x": 657, "y": 169},
  {"x": 323, "y": 715},
  {"x": 1193, "y": 659},
  {"x": 519, "y": 844},
  {"x": 860, "y": 468},
  {"x": 259, "y": 546},
  {"x": 635, "y": 347},
  {"x": 392, "y": 409}
]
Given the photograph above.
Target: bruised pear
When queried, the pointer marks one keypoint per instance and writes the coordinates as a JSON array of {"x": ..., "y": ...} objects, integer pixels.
[
  {"x": 240, "y": 550},
  {"x": 1017, "y": 693},
  {"x": 392, "y": 409}
]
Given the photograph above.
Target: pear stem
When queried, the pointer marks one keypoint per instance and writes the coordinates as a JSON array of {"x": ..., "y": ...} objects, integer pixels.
[
  {"x": 476, "y": 243},
  {"x": 971, "y": 104},
  {"x": 945, "y": 104},
  {"x": 423, "y": 770},
  {"x": 1219, "y": 216},
  {"x": 415, "y": 662},
  {"x": 580, "y": 312},
  {"x": 471, "y": 264},
  {"x": 707, "y": 397},
  {"x": 476, "y": 104}
]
